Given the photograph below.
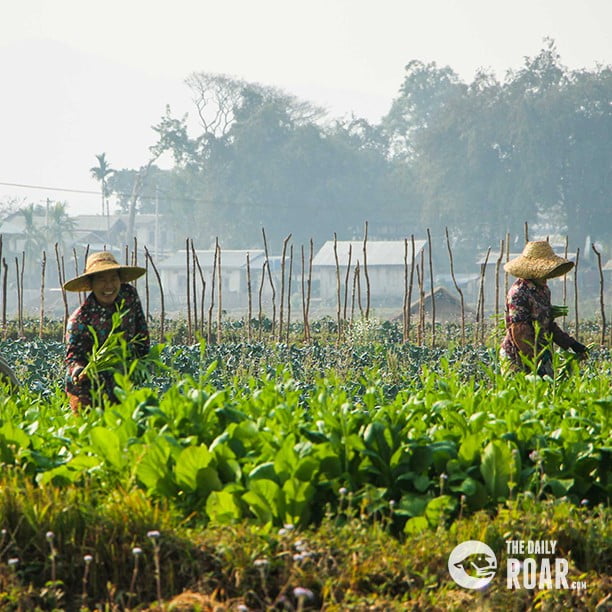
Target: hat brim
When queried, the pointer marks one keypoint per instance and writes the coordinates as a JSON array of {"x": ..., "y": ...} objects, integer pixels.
[
  {"x": 539, "y": 269},
  {"x": 127, "y": 274}
]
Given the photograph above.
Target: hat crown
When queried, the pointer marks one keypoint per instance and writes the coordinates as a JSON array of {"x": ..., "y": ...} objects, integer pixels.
[
  {"x": 538, "y": 250},
  {"x": 102, "y": 260}
]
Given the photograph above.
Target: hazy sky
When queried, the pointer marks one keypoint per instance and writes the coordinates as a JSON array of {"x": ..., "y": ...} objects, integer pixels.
[{"x": 81, "y": 78}]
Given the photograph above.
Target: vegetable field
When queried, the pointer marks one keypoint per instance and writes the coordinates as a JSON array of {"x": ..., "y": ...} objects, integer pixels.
[{"x": 274, "y": 476}]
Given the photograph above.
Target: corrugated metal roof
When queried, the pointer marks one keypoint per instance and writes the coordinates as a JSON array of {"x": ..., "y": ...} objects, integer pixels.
[
  {"x": 229, "y": 259},
  {"x": 379, "y": 252}
]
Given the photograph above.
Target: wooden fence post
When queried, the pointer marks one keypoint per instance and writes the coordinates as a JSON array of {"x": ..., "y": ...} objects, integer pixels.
[
  {"x": 338, "y": 290},
  {"x": 249, "y": 297},
  {"x": 601, "y": 295},
  {"x": 271, "y": 282},
  {"x": 365, "y": 270},
  {"x": 161, "y": 295},
  {"x": 188, "y": 287},
  {"x": 433, "y": 297},
  {"x": 43, "y": 267},
  {"x": 452, "y": 271},
  {"x": 289, "y": 293},
  {"x": 281, "y": 314},
  {"x": 576, "y": 293}
]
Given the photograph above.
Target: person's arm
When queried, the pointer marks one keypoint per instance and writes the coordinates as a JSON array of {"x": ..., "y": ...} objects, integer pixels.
[
  {"x": 565, "y": 341},
  {"x": 78, "y": 346}
]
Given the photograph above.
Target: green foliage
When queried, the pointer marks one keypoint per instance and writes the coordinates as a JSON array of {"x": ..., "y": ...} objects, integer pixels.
[{"x": 302, "y": 439}]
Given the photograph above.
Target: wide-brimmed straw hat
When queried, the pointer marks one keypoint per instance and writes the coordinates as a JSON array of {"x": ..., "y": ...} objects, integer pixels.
[
  {"x": 102, "y": 262},
  {"x": 538, "y": 261}
]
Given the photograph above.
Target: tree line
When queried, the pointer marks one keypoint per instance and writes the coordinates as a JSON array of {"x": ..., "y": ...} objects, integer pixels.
[{"x": 476, "y": 157}]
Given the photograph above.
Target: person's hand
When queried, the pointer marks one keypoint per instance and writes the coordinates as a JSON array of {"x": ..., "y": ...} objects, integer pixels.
[{"x": 77, "y": 375}]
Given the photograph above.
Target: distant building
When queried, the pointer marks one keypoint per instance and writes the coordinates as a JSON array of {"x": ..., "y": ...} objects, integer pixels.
[
  {"x": 387, "y": 263},
  {"x": 173, "y": 273}
]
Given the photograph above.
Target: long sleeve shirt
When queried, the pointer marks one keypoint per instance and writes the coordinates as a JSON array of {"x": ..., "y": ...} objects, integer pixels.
[
  {"x": 526, "y": 303},
  {"x": 80, "y": 340}
]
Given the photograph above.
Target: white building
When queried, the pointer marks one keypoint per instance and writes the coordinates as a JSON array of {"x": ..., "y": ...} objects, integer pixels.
[{"x": 387, "y": 264}]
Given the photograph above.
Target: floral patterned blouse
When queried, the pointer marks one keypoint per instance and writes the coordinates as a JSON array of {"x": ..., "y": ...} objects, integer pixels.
[
  {"x": 527, "y": 302},
  {"x": 79, "y": 339}
]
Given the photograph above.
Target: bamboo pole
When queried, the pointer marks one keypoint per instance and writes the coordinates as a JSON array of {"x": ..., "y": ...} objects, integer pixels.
[
  {"x": 309, "y": 286},
  {"x": 220, "y": 306},
  {"x": 497, "y": 267},
  {"x": 261, "y": 284},
  {"x": 289, "y": 293},
  {"x": 161, "y": 295},
  {"x": 355, "y": 279},
  {"x": 433, "y": 297},
  {"x": 405, "y": 306},
  {"x": 203, "y": 296},
  {"x": 194, "y": 286},
  {"x": 4, "y": 286},
  {"x": 420, "y": 326},
  {"x": 19, "y": 320},
  {"x": 601, "y": 294},
  {"x": 212, "y": 297},
  {"x": 411, "y": 284},
  {"x": 576, "y": 293},
  {"x": 271, "y": 282},
  {"x": 365, "y": 269},
  {"x": 480, "y": 318},
  {"x": 338, "y": 290},
  {"x": 359, "y": 302},
  {"x": 452, "y": 271},
  {"x": 61, "y": 278},
  {"x": 76, "y": 269},
  {"x": 303, "y": 283},
  {"x": 188, "y": 287},
  {"x": 147, "y": 294},
  {"x": 506, "y": 287},
  {"x": 20, "y": 277},
  {"x": 282, "y": 300},
  {"x": 249, "y": 297},
  {"x": 565, "y": 283},
  {"x": 43, "y": 267},
  {"x": 346, "y": 279}
]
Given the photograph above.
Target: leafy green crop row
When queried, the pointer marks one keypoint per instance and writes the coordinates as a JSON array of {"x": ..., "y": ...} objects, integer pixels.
[{"x": 226, "y": 433}]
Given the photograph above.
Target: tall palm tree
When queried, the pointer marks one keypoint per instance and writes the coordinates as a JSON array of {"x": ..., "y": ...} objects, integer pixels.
[
  {"x": 100, "y": 173},
  {"x": 60, "y": 226}
]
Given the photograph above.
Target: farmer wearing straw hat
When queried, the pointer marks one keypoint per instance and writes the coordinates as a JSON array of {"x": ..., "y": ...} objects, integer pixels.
[
  {"x": 107, "y": 281},
  {"x": 528, "y": 302}
]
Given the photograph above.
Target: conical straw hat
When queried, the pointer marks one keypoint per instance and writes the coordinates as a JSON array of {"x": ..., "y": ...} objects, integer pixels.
[
  {"x": 101, "y": 262},
  {"x": 538, "y": 261}
]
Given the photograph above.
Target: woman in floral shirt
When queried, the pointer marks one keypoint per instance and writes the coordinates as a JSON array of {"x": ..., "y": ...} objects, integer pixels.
[
  {"x": 107, "y": 280},
  {"x": 528, "y": 302}
]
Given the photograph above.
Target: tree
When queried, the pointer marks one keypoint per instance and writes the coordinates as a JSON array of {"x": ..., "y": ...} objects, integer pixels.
[
  {"x": 59, "y": 226},
  {"x": 101, "y": 172}
]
